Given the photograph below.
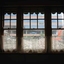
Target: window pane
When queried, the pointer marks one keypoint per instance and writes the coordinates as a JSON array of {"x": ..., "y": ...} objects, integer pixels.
[
  {"x": 13, "y": 23},
  {"x": 54, "y": 16},
  {"x": 33, "y": 23},
  {"x": 34, "y": 16},
  {"x": 26, "y": 23},
  {"x": 13, "y": 16},
  {"x": 40, "y": 23},
  {"x": 9, "y": 40},
  {"x": 54, "y": 23},
  {"x": 33, "y": 41},
  {"x": 58, "y": 40},
  {"x": 26, "y": 16},
  {"x": 60, "y": 23},
  {"x": 60, "y": 16},
  {"x": 13, "y": 33},
  {"x": 6, "y": 23},
  {"x": 40, "y": 16},
  {"x": 7, "y": 16}
]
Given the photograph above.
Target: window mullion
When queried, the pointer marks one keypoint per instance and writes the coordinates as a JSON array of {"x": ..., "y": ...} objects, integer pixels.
[
  {"x": 21, "y": 31},
  {"x": 48, "y": 29},
  {"x": 37, "y": 20},
  {"x": 1, "y": 30},
  {"x": 30, "y": 20},
  {"x": 57, "y": 20},
  {"x": 10, "y": 20},
  {"x": 18, "y": 33}
]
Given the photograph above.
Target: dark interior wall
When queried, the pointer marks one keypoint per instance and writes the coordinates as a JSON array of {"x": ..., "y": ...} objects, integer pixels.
[
  {"x": 32, "y": 58},
  {"x": 8, "y": 58},
  {"x": 31, "y": 2}
]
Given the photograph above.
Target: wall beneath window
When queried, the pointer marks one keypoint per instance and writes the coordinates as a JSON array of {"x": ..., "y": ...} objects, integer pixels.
[{"x": 32, "y": 58}]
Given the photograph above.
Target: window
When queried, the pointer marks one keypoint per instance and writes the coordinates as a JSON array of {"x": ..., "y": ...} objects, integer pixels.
[
  {"x": 9, "y": 38},
  {"x": 57, "y": 20},
  {"x": 33, "y": 32},
  {"x": 29, "y": 31}
]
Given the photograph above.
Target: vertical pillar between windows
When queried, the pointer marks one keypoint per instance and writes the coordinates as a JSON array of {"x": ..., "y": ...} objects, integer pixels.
[
  {"x": 48, "y": 29},
  {"x": 21, "y": 31},
  {"x": 1, "y": 30},
  {"x": 18, "y": 29}
]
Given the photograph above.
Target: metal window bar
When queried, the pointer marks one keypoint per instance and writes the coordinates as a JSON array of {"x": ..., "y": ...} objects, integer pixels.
[{"x": 37, "y": 20}]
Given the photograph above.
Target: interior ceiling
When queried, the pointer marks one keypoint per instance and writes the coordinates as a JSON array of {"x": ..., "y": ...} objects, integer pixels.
[{"x": 31, "y": 2}]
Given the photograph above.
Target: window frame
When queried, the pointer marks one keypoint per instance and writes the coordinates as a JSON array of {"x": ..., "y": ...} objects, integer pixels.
[
  {"x": 10, "y": 28},
  {"x": 57, "y": 28},
  {"x": 20, "y": 10},
  {"x": 37, "y": 26}
]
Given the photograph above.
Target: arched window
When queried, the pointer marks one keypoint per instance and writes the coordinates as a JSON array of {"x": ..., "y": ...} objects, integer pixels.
[
  {"x": 33, "y": 32},
  {"x": 9, "y": 37},
  {"x": 57, "y": 24}
]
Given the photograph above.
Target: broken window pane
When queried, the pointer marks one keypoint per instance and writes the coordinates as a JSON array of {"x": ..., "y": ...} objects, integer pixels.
[
  {"x": 9, "y": 40},
  {"x": 33, "y": 41},
  {"x": 58, "y": 40}
]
